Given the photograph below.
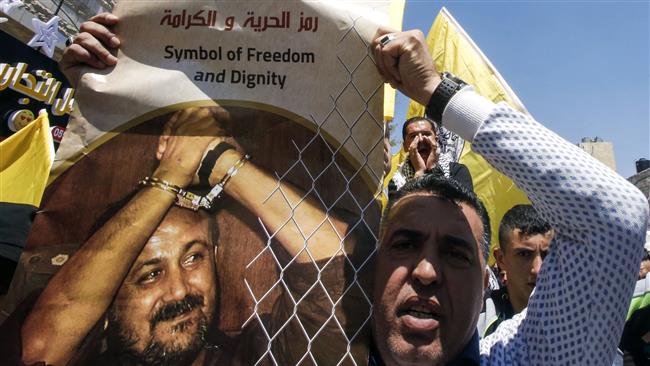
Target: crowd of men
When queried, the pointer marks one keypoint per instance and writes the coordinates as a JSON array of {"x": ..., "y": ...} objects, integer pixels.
[{"x": 586, "y": 224}]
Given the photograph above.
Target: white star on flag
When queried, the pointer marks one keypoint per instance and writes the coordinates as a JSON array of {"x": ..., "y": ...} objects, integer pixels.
[
  {"x": 6, "y": 5},
  {"x": 47, "y": 35}
]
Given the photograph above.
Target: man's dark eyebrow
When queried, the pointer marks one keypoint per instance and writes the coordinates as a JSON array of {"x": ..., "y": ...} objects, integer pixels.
[
  {"x": 158, "y": 260},
  {"x": 150, "y": 262},
  {"x": 409, "y": 234},
  {"x": 524, "y": 250},
  {"x": 458, "y": 241},
  {"x": 189, "y": 245}
]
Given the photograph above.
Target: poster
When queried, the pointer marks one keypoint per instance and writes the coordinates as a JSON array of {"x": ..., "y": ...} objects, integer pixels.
[
  {"x": 29, "y": 82},
  {"x": 215, "y": 198}
]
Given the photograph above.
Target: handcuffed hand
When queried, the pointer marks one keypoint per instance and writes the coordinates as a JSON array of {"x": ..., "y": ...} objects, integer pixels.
[{"x": 184, "y": 141}]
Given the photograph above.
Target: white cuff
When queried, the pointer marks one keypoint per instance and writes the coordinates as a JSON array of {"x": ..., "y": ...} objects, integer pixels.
[{"x": 465, "y": 113}]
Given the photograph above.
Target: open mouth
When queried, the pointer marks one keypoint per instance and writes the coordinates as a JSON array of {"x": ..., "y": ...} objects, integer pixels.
[
  {"x": 420, "y": 315},
  {"x": 420, "y": 312}
]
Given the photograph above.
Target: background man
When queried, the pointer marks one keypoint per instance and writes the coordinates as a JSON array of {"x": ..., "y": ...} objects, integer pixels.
[
  {"x": 644, "y": 267},
  {"x": 635, "y": 341},
  {"x": 420, "y": 140},
  {"x": 524, "y": 239}
]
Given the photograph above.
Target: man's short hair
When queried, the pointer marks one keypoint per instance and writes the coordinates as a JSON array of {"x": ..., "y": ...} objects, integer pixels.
[
  {"x": 522, "y": 217},
  {"x": 418, "y": 119},
  {"x": 447, "y": 188}
]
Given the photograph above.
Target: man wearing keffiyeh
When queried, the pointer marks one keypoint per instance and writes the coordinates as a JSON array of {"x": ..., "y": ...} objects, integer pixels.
[{"x": 425, "y": 146}]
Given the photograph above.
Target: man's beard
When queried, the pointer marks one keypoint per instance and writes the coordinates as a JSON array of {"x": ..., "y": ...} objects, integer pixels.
[{"x": 121, "y": 339}]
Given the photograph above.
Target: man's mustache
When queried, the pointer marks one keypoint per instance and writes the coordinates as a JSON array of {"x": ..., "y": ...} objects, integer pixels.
[{"x": 176, "y": 309}]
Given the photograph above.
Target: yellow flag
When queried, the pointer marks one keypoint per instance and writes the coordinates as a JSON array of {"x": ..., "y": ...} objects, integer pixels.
[
  {"x": 396, "y": 14},
  {"x": 454, "y": 51},
  {"x": 25, "y": 162}
]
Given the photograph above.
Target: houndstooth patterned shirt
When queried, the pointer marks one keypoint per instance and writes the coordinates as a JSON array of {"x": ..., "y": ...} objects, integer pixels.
[{"x": 576, "y": 314}]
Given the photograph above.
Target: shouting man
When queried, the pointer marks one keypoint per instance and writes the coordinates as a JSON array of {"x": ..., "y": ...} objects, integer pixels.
[{"x": 431, "y": 260}]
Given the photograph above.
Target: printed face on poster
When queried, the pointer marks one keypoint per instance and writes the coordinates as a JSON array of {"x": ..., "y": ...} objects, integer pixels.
[{"x": 216, "y": 194}]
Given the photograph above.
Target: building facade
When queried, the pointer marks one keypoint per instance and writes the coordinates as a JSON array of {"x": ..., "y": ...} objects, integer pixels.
[
  {"x": 642, "y": 181},
  {"x": 599, "y": 149}
]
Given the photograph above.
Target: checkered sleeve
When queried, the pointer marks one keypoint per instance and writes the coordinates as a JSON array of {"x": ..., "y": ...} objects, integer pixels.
[{"x": 577, "y": 311}]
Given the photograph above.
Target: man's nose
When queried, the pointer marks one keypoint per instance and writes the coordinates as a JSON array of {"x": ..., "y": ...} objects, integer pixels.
[
  {"x": 177, "y": 284},
  {"x": 537, "y": 264},
  {"x": 426, "y": 272}
]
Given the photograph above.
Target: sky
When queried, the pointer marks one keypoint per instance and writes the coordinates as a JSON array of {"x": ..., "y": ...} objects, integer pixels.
[{"x": 582, "y": 68}]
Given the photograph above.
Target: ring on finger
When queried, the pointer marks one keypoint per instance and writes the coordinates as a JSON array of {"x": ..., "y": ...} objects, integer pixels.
[
  {"x": 386, "y": 39},
  {"x": 69, "y": 41}
]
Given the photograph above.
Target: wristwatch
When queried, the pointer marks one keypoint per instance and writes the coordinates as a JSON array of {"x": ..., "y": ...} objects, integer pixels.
[{"x": 447, "y": 88}]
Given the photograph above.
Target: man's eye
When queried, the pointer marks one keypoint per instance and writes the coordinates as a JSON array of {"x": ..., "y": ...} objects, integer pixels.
[
  {"x": 193, "y": 258},
  {"x": 458, "y": 255},
  {"x": 524, "y": 254},
  {"x": 150, "y": 276},
  {"x": 403, "y": 246}
]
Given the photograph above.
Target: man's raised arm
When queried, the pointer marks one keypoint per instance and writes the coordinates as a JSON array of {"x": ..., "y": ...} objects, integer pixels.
[
  {"x": 577, "y": 312},
  {"x": 82, "y": 290},
  {"x": 302, "y": 225}
]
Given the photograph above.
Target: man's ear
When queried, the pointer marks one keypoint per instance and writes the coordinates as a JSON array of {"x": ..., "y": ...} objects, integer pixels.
[
  {"x": 486, "y": 278},
  {"x": 499, "y": 256}
]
